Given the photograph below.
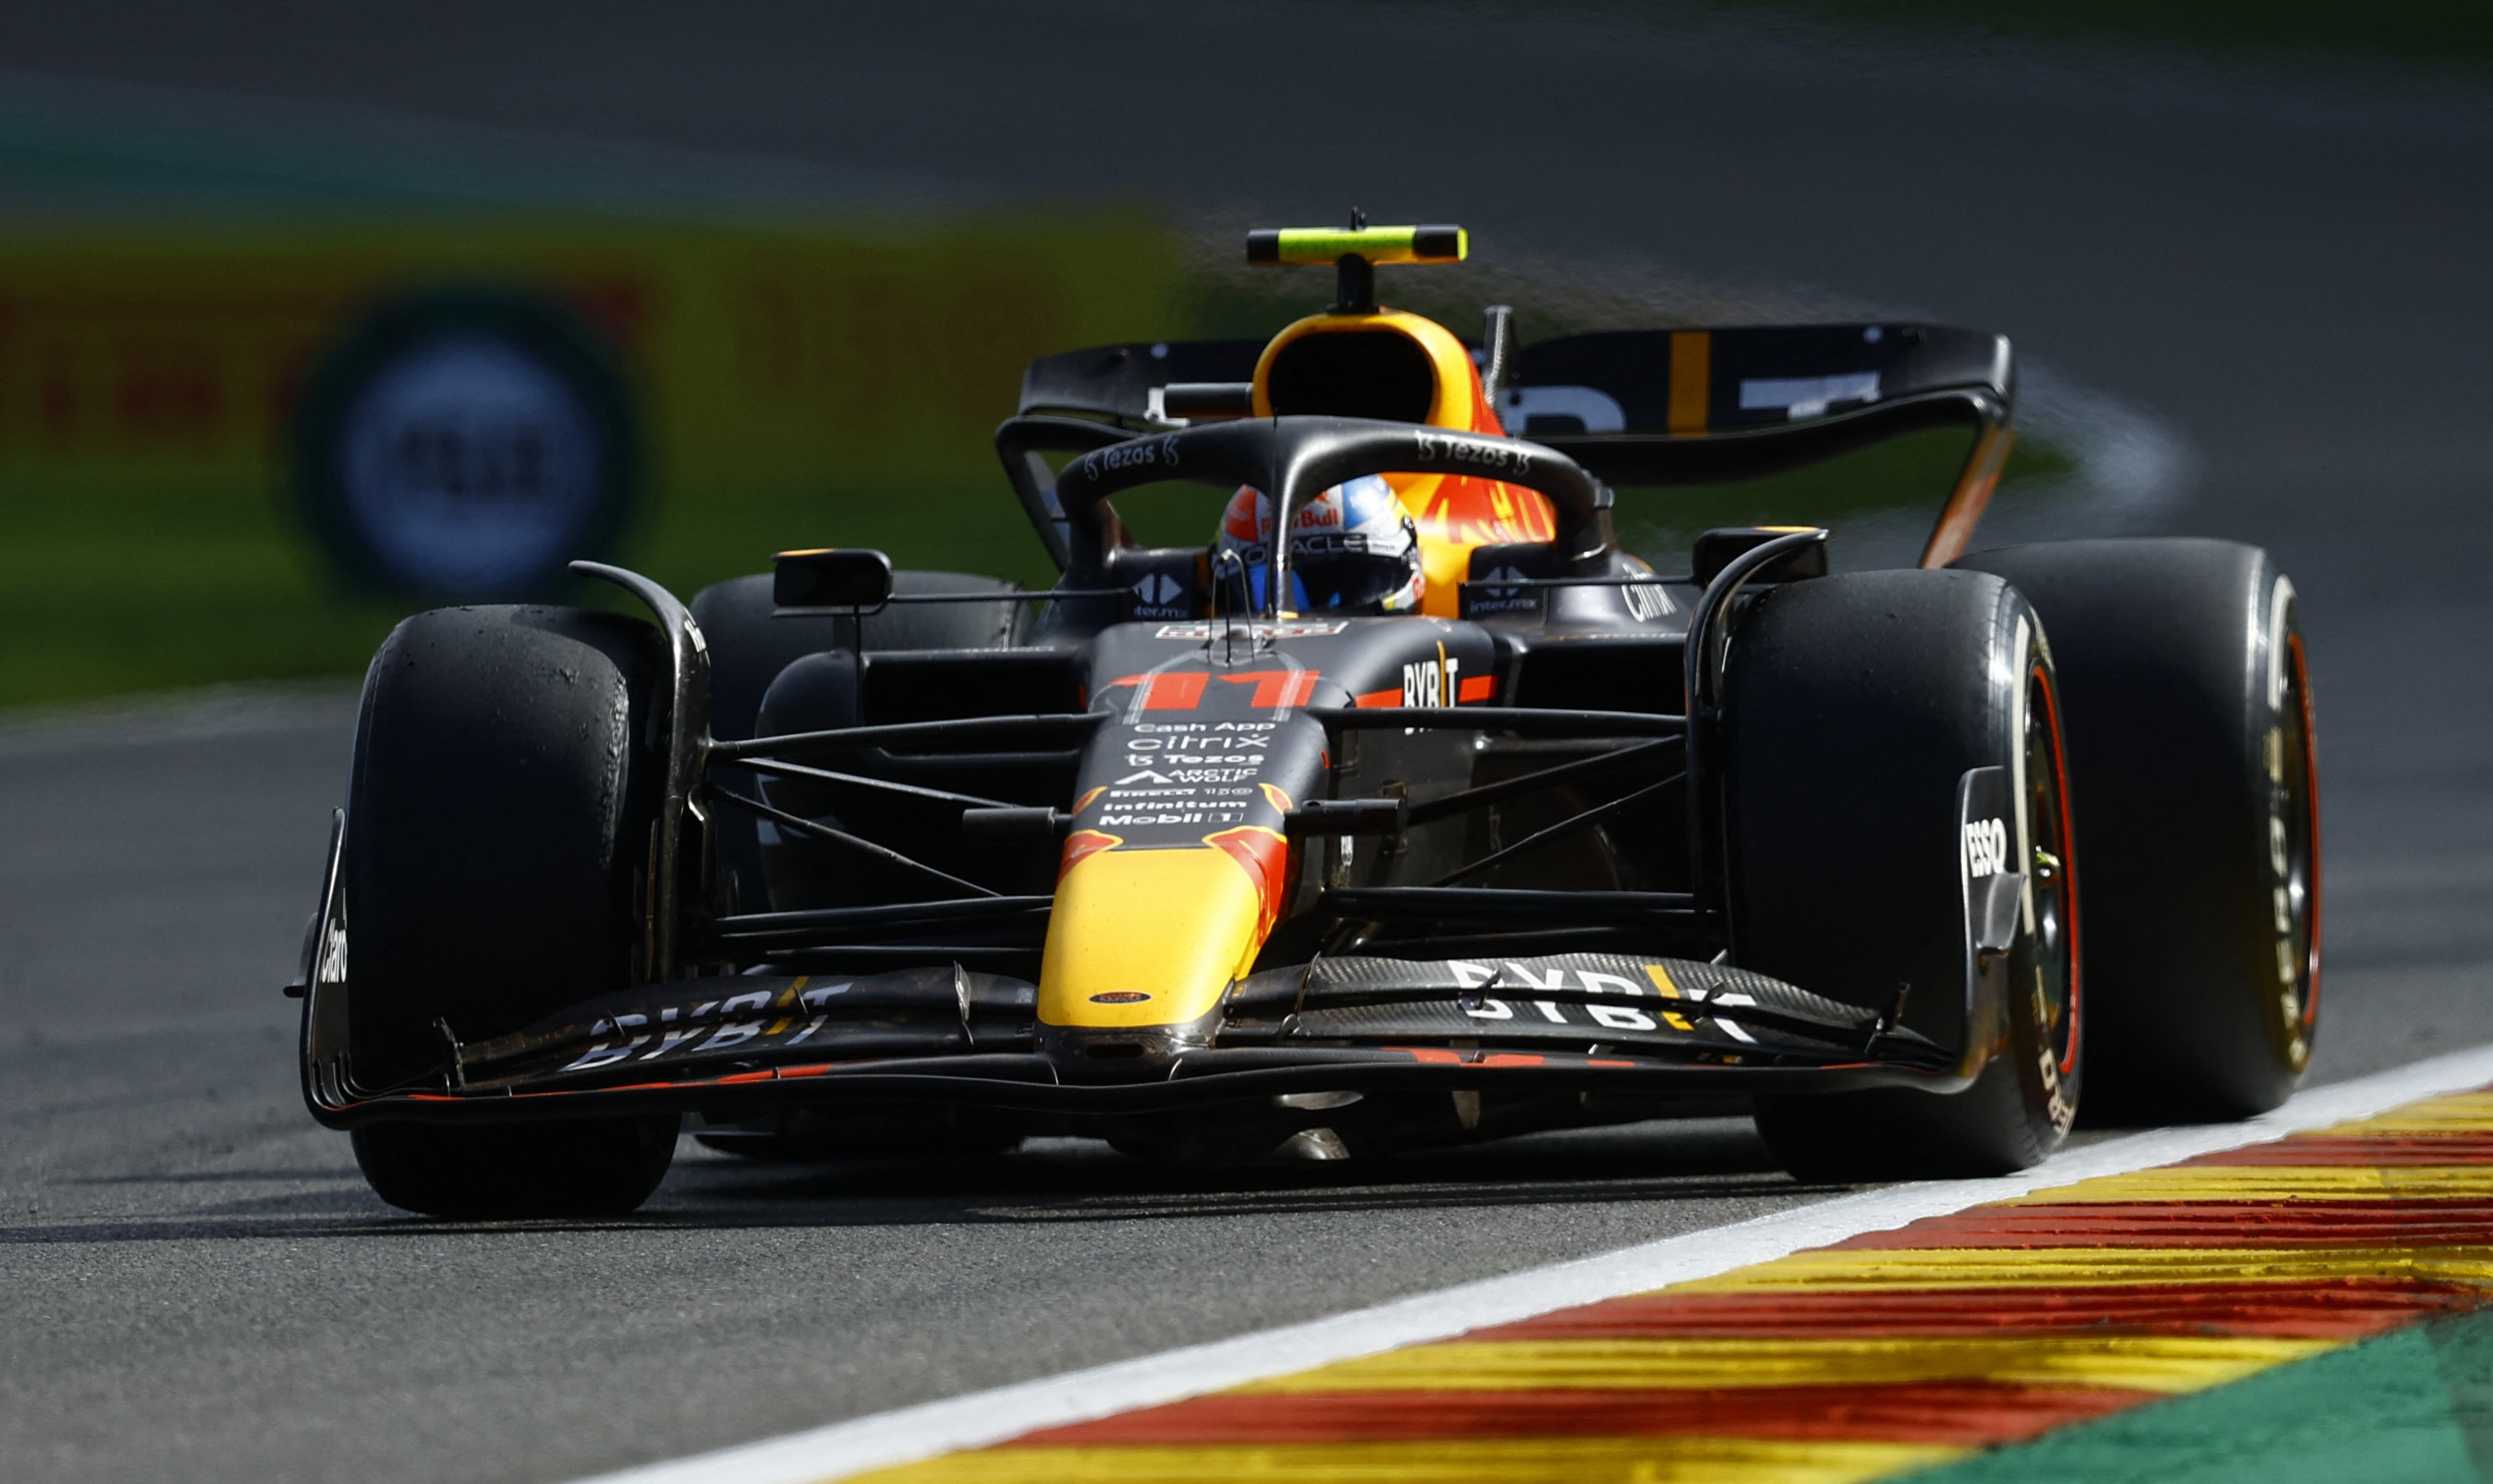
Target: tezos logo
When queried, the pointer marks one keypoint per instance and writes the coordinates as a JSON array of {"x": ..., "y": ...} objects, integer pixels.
[
  {"x": 1434, "y": 447},
  {"x": 1138, "y": 450},
  {"x": 1986, "y": 847}
]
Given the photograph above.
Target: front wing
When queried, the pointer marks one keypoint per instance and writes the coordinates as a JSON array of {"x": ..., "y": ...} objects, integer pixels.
[{"x": 726, "y": 1046}]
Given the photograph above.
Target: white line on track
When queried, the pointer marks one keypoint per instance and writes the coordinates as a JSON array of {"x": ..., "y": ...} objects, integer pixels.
[{"x": 924, "y": 1431}]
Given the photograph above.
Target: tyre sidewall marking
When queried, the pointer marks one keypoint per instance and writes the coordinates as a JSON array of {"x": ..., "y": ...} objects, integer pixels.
[
  {"x": 2294, "y": 995},
  {"x": 2031, "y": 658}
]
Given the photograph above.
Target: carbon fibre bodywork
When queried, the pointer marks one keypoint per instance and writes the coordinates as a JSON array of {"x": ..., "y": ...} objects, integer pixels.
[
  {"x": 1374, "y": 972},
  {"x": 1171, "y": 850}
]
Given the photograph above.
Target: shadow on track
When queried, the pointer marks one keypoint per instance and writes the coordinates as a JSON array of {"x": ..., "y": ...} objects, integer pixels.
[{"x": 1047, "y": 1181}]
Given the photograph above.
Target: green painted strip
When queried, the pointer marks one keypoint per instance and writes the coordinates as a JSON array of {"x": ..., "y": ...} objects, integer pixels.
[{"x": 2416, "y": 1407}]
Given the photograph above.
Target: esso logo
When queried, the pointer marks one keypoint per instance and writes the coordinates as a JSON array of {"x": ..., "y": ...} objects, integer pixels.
[{"x": 1986, "y": 847}]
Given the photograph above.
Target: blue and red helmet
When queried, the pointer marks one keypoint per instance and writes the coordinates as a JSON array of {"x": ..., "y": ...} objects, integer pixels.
[{"x": 1353, "y": 549}]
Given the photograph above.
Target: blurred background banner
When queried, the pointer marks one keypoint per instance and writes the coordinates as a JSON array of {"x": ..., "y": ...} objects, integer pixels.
[
  {"x": 152, "y": 374},
  {"x": 239, "y": 451}
]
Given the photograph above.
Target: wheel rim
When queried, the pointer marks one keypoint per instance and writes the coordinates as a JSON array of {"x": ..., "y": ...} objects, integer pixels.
[
  {"x": 2055, "y": 971},
  {"x": 2294, "y": 852}
]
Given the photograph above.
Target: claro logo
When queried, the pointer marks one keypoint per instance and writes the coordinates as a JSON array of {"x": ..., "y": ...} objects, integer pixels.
[{"x": 1986, "y": 847}]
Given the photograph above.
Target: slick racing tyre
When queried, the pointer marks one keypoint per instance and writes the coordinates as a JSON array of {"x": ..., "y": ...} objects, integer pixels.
[
  {"x": 749, "y": 649},
  {"x": 604, "y": 1167},
  {"x": 498, "y": 819},
  {"x": 2197, "y": 794},
  {"x": 1861, "y": 712}
]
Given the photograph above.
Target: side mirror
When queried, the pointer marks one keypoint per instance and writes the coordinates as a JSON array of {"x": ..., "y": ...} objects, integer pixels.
[{"x": 853, "y": 580}]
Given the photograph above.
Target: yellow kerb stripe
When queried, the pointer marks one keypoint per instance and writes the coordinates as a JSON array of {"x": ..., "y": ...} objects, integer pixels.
[
  {"x": 1483, "y": 1460},
  {"x": 2169, "y": 1363},
  {"x": 2277, "y": 1182},
  {"x": 2042, "y": 1267},
  {"x": 2463, "y": 1113}
]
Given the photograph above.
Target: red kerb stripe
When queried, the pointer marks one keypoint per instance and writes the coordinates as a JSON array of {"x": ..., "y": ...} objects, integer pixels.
[
  {"x": 2341, "y": 1310},
  {"x": 1966, "y": 1413},
  {"x": 2352, "y": 1222}
]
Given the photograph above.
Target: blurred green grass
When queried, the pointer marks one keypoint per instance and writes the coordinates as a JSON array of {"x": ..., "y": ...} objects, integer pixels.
[
  {"x": 112, "y": 588},
  {"x": 118, "y": 585}
]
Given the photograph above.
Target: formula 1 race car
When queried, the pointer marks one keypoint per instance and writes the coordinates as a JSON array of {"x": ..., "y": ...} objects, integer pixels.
[{"x": 1411, "y": 809}]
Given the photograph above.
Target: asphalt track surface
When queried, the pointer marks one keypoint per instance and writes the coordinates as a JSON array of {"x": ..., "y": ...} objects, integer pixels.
[{"x": 194, "y": 1285}]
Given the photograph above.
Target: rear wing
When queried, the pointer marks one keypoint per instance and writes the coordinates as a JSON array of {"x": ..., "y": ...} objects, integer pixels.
[
  {"x": 1633, "y": 406},
  {"x": 1707, "y": 407},
  {"x": 1699, "y": 406}
]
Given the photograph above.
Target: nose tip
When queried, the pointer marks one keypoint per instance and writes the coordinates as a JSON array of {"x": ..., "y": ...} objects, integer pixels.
[{"x": 1152, "y": 937}]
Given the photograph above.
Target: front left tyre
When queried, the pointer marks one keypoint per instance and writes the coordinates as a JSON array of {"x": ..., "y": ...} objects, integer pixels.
[
  {"x": 1861, "y": 715},
  {"x": 497, "y": 822}
]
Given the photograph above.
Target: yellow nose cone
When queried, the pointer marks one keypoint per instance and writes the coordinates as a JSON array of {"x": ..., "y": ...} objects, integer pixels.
[{"x": 1148, "y": 938}]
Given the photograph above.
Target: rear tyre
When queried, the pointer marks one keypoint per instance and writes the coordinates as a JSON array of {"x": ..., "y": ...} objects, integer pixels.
[
  {"x": 749, "y": 649},
  {"x": 500, "y": 807},
  {"x": 1855, "y": 708},
  {"x": 2190, "y": 739}
]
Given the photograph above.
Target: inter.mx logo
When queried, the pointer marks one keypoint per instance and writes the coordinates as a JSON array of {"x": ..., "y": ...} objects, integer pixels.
[{"x": 1158, "y": 590}]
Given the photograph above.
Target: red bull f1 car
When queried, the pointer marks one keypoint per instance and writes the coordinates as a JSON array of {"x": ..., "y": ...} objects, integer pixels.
[{"x": 1409, "y": 810}]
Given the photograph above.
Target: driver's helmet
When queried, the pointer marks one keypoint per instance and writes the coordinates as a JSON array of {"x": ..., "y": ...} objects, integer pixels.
[{"x": 1353, "y": 549}]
